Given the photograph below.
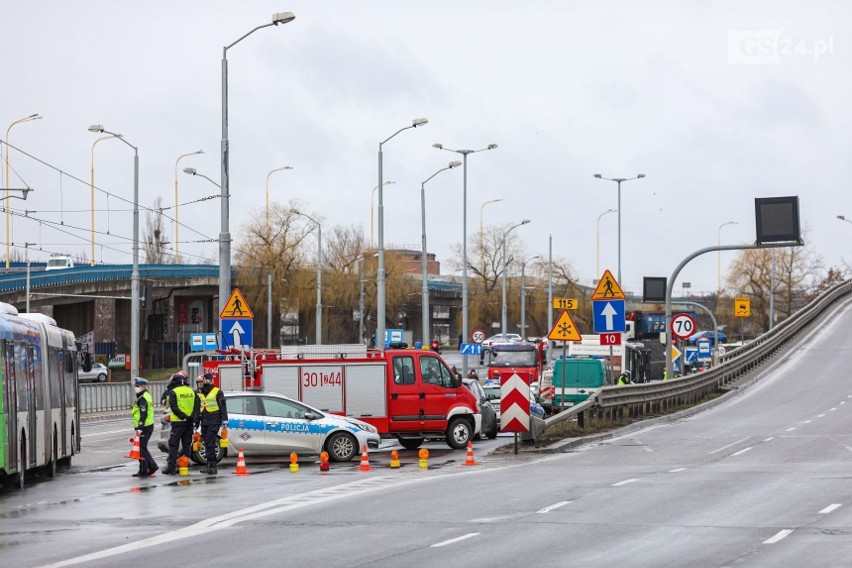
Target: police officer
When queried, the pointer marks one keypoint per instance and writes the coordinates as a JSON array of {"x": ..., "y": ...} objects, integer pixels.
[
  {"x": 143, "y": 421},
  {"x": 183, "y": 406},
  {"x": 624, "y": 378},
  {"x": 213, "y": 415}
]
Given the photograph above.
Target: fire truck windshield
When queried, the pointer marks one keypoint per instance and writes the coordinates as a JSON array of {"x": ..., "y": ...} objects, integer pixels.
[{"x": 512, "y": 358}]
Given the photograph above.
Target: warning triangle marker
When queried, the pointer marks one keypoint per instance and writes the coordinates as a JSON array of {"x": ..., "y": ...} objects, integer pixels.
[
  {"x": 237, "y": 307},
  {"x": 564, "y": 329},
  {"x": 608, "y": 288}
]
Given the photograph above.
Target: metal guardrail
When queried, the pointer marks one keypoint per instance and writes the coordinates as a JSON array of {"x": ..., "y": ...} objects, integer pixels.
[
  {"x": 107, "y": 397},
  {"x": 649, "y": 398}
]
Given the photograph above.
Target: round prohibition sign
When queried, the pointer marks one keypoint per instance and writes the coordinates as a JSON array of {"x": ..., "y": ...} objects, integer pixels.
[
  {"x": 478, "y": 336},
  {"x": 683, "y": 326}
]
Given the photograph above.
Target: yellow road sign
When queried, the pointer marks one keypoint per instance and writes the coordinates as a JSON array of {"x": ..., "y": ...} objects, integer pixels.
[
  {"x": 675, "y": 353},
  {"x": 608, "y": 288},
  {"x": 564, "y": 329},
  {"x": 237, "y": 307},
  {"x": 742, "y": 307},
  {"x": 566, "y": 303}
]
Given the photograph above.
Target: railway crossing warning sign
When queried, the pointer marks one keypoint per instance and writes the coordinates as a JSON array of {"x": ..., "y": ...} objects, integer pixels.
[
  {"x": 564, "y": 329},
  {"x": 608, "y": 288}
]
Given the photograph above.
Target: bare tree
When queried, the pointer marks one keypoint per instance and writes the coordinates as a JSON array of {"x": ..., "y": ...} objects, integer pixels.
[{"x": 153, "y": 239}]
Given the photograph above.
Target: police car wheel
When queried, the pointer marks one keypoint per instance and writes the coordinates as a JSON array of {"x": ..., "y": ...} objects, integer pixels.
[
  {"x": 342, "y": 447},
  {"x": 200, "y": 457}
]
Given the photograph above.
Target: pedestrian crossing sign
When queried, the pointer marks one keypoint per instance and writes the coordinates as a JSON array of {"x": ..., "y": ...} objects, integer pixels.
[
  {"x": 237, "y": 307},
  {"x": 608, "y": 288},
  {"x": 564, "y": 329}
]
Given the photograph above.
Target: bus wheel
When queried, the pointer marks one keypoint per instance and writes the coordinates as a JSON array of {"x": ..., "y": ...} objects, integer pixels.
[{"x": 22, "y": 464}]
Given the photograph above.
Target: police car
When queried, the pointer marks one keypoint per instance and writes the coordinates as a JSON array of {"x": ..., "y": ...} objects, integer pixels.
[{"x": 265, "y": 424}]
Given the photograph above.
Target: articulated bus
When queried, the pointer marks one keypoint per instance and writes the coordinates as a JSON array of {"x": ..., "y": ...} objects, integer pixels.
[{"x": 39, "y": 422}]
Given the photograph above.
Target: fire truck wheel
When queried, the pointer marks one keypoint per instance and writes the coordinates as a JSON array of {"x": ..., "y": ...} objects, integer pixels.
[
  {"x": 410, "y": 443},
  {"x": 342, "y": 447},
  {"x": 459, "y": 433}
]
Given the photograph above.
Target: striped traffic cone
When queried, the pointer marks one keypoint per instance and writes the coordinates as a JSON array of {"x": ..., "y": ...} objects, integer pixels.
[
  {"x": 135, "y": 453},
  {"x": 365, "y": 461},
  {"x": 241, "y": 465},
  {"x": 470, "y": 460}
]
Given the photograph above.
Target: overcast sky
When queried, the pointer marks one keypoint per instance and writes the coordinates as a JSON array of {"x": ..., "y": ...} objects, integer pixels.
[{"x": 715, "y": 102}]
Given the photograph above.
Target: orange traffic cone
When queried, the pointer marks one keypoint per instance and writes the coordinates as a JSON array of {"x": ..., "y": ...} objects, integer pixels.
[
  {"x": 241, "y": 465},
  {"x": 134, "y": 454},
  {"x": 365, "y": 461},
  {"x": 470, "y": 460}
]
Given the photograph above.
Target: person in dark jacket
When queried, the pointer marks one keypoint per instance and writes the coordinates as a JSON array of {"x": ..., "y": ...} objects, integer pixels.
[
  {"x": 143, "y": 422},
  {"x": 214, "y": 414},
  {"x": 183, "y": 408}
]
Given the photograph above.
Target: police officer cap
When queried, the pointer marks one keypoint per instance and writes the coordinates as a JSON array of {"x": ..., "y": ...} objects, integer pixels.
[{"x": 140, "y": 382}]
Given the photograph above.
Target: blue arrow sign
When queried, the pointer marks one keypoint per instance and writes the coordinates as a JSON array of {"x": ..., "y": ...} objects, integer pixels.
[
  {"x": 691, "y": 354},
  {"x": 608, "y": 316},
  {"x": 471, "y": 349},
  {"x": 238, "y": 332}
]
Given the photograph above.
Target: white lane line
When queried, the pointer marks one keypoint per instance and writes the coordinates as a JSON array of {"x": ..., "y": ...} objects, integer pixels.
[
  {"x": 790, "y": 429},
  {"x": 769, "y": 439},
  {"x": 677, "y": 470},
  {"x": 552, "y": 507},
  {"x": 807, "y": 421},
  {"x": 744, "y": 450},
  {"x": 778, "y": 536},
  {"x": 830, "y": 508},
  {"x": 625, "y": 482},
  {"x": 820, "y": 415},
  {"x": 454, "y": 540},
  {"x": 832, "y": 409},
  {"x": 726, "y": 447},
  {"x": 849, "y": 396},
  {"x": 842, "y": 402}
]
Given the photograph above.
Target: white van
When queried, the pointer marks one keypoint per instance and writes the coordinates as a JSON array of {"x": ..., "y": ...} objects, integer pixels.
[{"x": 59, "y": 262}]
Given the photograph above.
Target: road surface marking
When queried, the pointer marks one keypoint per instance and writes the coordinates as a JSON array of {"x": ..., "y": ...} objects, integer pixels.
[
  {"x": 790, "y": 429},
  {"x": 769, "y": 439},
  {"x": 726, "y": 447},
  {"x": 625, "y": 482},
  {"x": 842, "y": 402},
  {"x": 820, "y": 415},
  {"x": 830, "y": 508},
  {"x": 677, "y": 470},
  {"x": 778, "y": 536},
  {"x": 454, "y": 540},
  {"x": 832, "y": 409},
  {"x": 744, "y": 450},
  {"x": 552, "y": 507},
  {"x": 807, "y": 421}
]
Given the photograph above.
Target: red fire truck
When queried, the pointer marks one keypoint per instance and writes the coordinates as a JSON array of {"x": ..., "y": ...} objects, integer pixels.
[
  {"x": 524, "y": 359},
  {"x": 408, "y": 394}
]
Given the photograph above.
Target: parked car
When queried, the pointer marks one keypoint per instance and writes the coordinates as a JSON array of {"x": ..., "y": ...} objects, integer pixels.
[
  {"x": 489, "y": 415},
  {"x": 98, "y": 373},
  {"x": 708, "y": 335},
  {"x": 273, "y": 424},
  {"x": 502, "y": 338}
]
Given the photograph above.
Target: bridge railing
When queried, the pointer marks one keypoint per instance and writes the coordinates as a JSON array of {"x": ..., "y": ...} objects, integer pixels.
[
  {"x": 107, "y": 397},
  {"x": 16, "y": 281},
  {"x": 635, "y": 401}
]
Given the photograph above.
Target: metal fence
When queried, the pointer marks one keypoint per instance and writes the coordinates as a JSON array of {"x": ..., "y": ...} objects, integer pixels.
[
  {"x": 107, "y": 397},
  {"x": 636, "y": 401}
]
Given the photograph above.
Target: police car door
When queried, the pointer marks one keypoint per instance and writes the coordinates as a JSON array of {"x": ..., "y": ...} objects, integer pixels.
[
  {"x": 245, "y": 424},
  {"x": 287, "y": 429}
]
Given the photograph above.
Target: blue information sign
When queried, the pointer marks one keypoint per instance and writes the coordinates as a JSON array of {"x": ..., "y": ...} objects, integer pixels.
[
  {"x": 608, "y": 316},
  {"x": 238, "y": 332},
  {"x": 471, "y": 349}
]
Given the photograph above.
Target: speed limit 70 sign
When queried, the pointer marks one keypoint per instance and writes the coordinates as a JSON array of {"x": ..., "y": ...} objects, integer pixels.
[{"x": 683, "y": 326}]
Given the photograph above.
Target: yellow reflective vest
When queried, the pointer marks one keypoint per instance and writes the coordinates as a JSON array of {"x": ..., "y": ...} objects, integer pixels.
[
  {"x": 208, "y": 401},
  {"x": 149, "y": 418},
  {"x": 185, "y": 402}
]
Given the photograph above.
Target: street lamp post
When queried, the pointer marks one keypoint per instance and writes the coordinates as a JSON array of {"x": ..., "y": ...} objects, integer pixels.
[
  {"x": 719, "y": 258},
  {"x": 618, "y": 181},
  {"x": 194, "y": 172},
  {"x": 505, "y": 269},
  {"x": 361, "y": 303},
  {"x": 598, "y": 243},
  {"x": 380, "y": 269},
  {"x": 425, "y": 284},
  {"x": 177, "y": 205},
  {"x": 524, "y": 296},
  {"x": 35, "y": 116},
  {"x": 319, "y": 275},
  {"x": 372, "y": 229},
  {"x": 134, "y": 275},
  {"x": 225, "y": 235},
  {"x": 464, "y": 153},
  {"x": 92, "y": 186},
  {"x": 267, "y": 196}
]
